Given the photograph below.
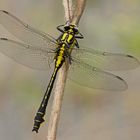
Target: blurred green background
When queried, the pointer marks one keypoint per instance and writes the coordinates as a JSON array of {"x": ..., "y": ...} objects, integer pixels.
[{"x": 86, "y": 114}]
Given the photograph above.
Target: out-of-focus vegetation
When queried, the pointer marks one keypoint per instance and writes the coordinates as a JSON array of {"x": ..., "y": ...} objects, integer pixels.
[{"x": 86, "y": 114}]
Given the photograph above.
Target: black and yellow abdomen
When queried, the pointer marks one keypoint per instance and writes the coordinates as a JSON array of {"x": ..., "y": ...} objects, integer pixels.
[{"x": 39, "y": 118}]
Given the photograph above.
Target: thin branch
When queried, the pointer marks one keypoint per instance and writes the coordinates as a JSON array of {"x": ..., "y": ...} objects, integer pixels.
[
  {"x": 68, "y": 9},
  {"x": 80, "y": 6},
  {"x": 62, "y": 74},
  {"x": 57, "y": 102}
]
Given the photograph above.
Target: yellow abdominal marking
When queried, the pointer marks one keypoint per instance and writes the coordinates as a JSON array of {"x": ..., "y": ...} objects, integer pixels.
[
  {"x": 39, "y": 112},
  {"x": 37, "y": 120},
  {"x": 60, "y": 56}
]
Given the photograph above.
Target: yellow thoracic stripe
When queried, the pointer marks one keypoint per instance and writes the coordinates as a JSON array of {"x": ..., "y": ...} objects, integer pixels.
[
  {"x": 64, "y": 36},
  {"x": 69, "y": 38}
]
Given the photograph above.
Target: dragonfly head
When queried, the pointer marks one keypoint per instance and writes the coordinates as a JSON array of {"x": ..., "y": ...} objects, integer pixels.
[{"x": 71, "y": 28}]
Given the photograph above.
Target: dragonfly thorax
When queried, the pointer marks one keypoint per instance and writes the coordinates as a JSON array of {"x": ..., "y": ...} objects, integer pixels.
[
  {"x": 67, "y": 39},
  {"x": 66, "y": 43},
  {"x": 71, "y": 29}
]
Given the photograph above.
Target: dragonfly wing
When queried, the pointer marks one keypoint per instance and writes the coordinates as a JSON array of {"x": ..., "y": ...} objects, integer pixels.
[
  {"x": 106, "y": 60},
  {"x": 25, "y": 32},
  {"x": 25, "y": 54},
  {"x": 93, "y": 77}
]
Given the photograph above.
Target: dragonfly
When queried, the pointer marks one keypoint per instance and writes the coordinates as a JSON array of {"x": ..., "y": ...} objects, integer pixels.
[{"x": 36, "y": 48}]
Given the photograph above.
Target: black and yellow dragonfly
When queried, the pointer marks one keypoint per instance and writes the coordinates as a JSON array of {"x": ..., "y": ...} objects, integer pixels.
[{"x": 37, "y": 48}]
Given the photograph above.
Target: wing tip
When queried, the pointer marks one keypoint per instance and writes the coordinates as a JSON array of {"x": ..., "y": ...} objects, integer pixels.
[
  {"x": 125, "y": 86},
  {"x": 137, "y": 62}
]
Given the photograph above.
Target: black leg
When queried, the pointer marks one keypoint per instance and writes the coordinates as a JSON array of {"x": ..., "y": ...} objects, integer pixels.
[
  {"x": 80, "y": 36},
  {"x": 76, "y": 44},
  {"x": 59, "y": 28}
]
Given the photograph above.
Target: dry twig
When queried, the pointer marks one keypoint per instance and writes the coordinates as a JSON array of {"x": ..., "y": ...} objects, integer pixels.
[{"x": 72, "y": 17}]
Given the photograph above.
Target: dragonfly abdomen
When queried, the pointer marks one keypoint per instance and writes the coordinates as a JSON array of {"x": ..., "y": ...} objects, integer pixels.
[{"x": 39, "y": 118}]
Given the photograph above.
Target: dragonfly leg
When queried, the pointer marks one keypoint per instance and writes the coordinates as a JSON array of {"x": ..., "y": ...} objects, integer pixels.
[
  {"x": 76, "y": 44},
  {"x": 80, "y": 36},
  {"x": 59, "y": 28},
  {"x": 59, "y": 39}
]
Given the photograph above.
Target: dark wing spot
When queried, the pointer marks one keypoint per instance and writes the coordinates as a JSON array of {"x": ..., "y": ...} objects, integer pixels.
[
  {"x": 130, "y": 56},
  {"x": 5, "y": 12},
  {"x": 119, "y": 78}
]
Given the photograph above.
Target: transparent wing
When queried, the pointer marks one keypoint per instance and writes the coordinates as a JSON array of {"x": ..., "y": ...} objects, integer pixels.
[
  {"x": 25, "y": 32},
  {"x": 93, "y": 77},
  {"x": 106, "y": 60},
  {"x": 25, "y": 54}
]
